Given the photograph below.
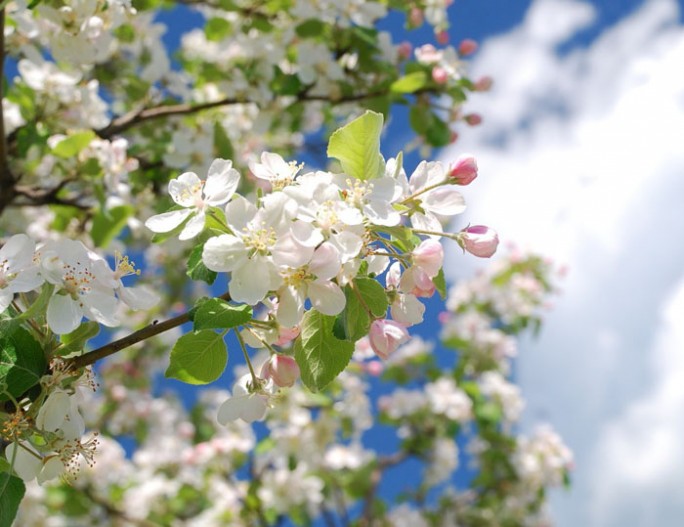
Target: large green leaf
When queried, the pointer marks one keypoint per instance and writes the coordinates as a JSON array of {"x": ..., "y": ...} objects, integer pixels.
[
  {"x": 219, "y": 314},
  {"x": 12, "y": 491},
  {"x": 198, "y": 358},
  {"x": 22, "y": 362},
  {"x": 410, "y": 83},
  {"x": 107, "y": 224},
  {"x": 320, "y": 355},
  {"x": 357, "y": 146},
  {"x": 196, "y": 268}
]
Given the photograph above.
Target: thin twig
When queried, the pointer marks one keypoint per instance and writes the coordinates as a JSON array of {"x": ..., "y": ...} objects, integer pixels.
[{"x": 145, "y": 333}]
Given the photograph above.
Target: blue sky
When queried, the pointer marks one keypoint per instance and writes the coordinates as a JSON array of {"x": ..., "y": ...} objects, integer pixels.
[{"x": 581, "y": 158}]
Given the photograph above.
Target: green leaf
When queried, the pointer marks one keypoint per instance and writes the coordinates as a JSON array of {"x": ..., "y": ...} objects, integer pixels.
[
  {"x": 440, "y": 284},
  {"x": 223, "y": 147},
  {"x": 196, "y": 268},
  {"x": 198, "y": 358},
  {"x": 217, "y": 29},
  {"x": 12, "y": 491},
  {"x": 312, "y": 27},
  {"x": 373, "y": 296},
  {"x": 219, "y": 314},
  {"x": 419, "y": 119},
  {"x": 354, "y": 322},
  {"x": 76, "y": 340},
  {"x": 72, "y": 145},
  {"x": 320, "y": 355},
  {"x": 409, "y": 83},
  {"x": 357, "y": 146},
  {"x": 438, "y": 133},
  {"x": 108, "y": 223},
  {"x": 22, "y": 362}
]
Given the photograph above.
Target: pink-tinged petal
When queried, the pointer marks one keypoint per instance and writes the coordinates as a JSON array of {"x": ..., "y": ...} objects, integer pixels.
[
  {"x": 326, "y": 261},
  {"x": 445, "y": 200},
  {"x": 429, "y": 256},
  {"x": 251, "y": 282},
  {"x": 407, "y": 310},
  {"x": 167, "y": 221},
  {"x": 224, "y": 253},
  {"x": 326, "y": 297},
  {"x": 186, "y": 190},
  {"x": 464, "y": 170},
  {"x": 139, "y": 297},
  {"x": 222, "y": 182},
  {"x": 101, "y": 307},
  {"x": 283, "y": 370},
  {"x": 479, "y": 240},
  {"x": 290, "y": 306},
  {"x": 193, "y": 227},
  {"x": 386, "y": 336},
  {"x": 63, "y": 314}
]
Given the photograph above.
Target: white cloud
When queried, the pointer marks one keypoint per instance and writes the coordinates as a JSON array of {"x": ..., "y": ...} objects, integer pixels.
[{"x": 581, "y": 158}]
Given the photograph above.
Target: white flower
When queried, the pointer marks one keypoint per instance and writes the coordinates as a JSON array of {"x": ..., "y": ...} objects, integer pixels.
[
  {"x": 448, "y": 399},
  {"x": 274, "y": 169},
  {"x": 18, "y": 274},
  {"x": 195, "y": 196},
  {"x": 247, "y": 403},
  {"x": 68, "y": 265}
]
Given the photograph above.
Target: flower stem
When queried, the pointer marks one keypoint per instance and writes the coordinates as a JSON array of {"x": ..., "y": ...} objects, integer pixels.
[{"x": 255, "y": 380}]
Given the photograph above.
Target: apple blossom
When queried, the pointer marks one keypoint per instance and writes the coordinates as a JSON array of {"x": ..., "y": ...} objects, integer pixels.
[
  {"x": 281, "y": 369},
  {"x": 479, "y": 240},
  {"x": 248, "y": 402},
  {"x": 429, "y": 256},
  {"x": 18, "y": 272},
  {"x": 464, "y": 170},
  {"x": 386, "y": 336}
]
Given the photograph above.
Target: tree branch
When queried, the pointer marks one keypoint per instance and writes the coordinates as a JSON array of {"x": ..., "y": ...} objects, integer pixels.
[
  {"x": 7, "y": 181},
  {"x": 145, "y": 333},
  {"x": 136, "y": 117}
]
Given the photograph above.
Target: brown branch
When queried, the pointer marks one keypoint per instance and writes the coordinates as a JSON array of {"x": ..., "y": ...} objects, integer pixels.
[
  {"x": 7, "y": 181},
  {"x": 145, "y": 333},
  {"x": 366, "y": 519},
  {"x": 136, "y": 117}
]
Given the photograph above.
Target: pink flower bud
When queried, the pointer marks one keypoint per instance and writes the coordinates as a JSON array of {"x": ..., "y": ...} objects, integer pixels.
[
  {"x": 440, "y": 75},
  {"x": 442, "y": 37},
  {"x": 467, "y": 47},
  {"x": 454, "y": 137},
  {"x": 464, "y": 170},
  {"x": 286, "y": 335},
  {"x": 484, "y": 83},
  {"x": 473, "y": 119},
  {"x": 386, "y": 336},
  {"x": 417, "y": 282},
  {"x": 404, "y": 50},
  {"x": 283, "y": 370},
  {"x": 416, "y": 17},
  {"x": 429, "y": 256},
  {"x": 479, "y": 240},
  {"x": 374, "y": 368}
]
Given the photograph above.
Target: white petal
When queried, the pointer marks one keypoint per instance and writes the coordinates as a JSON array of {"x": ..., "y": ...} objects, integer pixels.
[
  {"x": 381, "y": 213},
  {"x": 53, "y": 468},
  {"x": 445, "y": 200},
  {"x": 224, "y": 253},
  {"x": 101, "y": 307},
  {"x": 186, "y": 190},
  {"x": 138, "y": 297},
  {"x": 348, "y": 243},
  {"x": 229, "y": 410},
  {"x": 290, "y": 306},
  {"x": 426, "y": 222},
  {"x": 384, "y": 189},
  {"x": 53, "y": 412},
  {"x": 168, "y": 220},
  {"x": 251, "y": 282},
  {"x": 407, "y": 310},
  {"x": 63, "y": 314},
  {"x": 289, "y": 252},
  {"x": 326, "y": 261},
  {"x": 239, "y": 213},
  {"x": 306, "y": 234},
  {"x": 26, "y": 465},
  {"x": 254, "y": 408},
  {"x": 419, "y": 178},
  {"x": 6, "y": 297},
  {"x": 222, "y": 182},
  {"x": 18, "y": 251},
  {"x": 193, "y": 227},
  {"x": 327, "y": 297}
]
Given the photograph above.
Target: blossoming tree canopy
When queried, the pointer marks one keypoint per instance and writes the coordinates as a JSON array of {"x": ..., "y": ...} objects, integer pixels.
[{"x": 112, "y": 146}]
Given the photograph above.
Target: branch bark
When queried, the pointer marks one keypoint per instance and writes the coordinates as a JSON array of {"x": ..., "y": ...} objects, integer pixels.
[
  {"x": 7, "y": 181},
  {"x": 145, "y": 333}
]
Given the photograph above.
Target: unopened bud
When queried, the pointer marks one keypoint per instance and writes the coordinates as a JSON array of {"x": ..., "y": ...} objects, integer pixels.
[
  {"x": 467, "y": 47},
  {"x": 479, "y": 240},
  {"x": 484, "y": 83},
  {"x": 283, "y": 370},
  {"x": 404, "y": 50},
  {"x": 429, "y": 256},
  {"x": 416, "y": 17},
  {"x": 440, "y": 75},
  {"x": 442, "y": 37},
  {"x": 464, "y": 170},
  {"x": 386, "y": 336},
  {"x": 473, "y": 119}
]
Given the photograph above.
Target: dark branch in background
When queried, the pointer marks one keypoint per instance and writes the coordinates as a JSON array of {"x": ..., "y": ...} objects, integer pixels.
[
  {"x": 145, "y": 333},
  {"x": 136, "y": 117},
  {"x": 37, "y": 196},
  {"x": 366, "y": 519},
  {"x": 7, "y": 181}
]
